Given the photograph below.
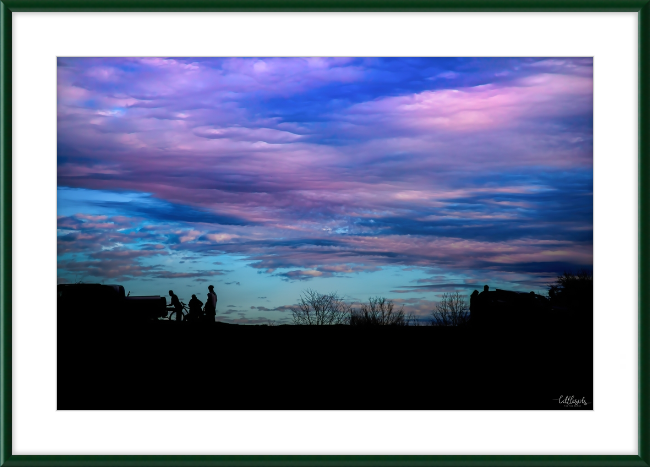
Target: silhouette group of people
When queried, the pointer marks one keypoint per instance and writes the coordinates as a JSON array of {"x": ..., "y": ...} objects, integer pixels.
[{"x": 197, "y": 312}]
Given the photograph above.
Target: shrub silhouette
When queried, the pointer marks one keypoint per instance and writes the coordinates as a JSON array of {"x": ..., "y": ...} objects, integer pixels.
[
  {"x": 318, "y": 309},
  {"x": 452, "y": 310},
  {"x": 573, "y": 293},
  {"x": 380, "y": 312}
]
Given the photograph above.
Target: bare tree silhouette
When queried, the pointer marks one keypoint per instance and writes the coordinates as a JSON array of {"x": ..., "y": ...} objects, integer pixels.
[
  {"x": 452, "y": 310},
  {"x": 320, "y": 309},
  {"x": 380, "y": 312}
]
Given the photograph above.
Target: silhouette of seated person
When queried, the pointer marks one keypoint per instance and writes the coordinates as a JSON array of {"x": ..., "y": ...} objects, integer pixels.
[
  {"x": 178, "y": 308},
  {"x": 195, "y": 309}
]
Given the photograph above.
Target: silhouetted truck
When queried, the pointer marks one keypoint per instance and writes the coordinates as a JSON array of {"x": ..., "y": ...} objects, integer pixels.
[{"x": 98, "y": 302}]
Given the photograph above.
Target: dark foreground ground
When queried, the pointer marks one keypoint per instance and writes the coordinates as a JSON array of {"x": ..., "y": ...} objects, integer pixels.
[{"x": 168, "y": 365}]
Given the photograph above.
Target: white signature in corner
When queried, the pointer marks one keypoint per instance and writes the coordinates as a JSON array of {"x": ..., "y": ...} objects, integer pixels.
[{"x": 571, "y": 401}]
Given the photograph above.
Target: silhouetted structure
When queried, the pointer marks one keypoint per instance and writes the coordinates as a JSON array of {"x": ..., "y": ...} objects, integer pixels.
[
  {"x": 95, "y": 302},
  {"x": 505, "y": 307}
]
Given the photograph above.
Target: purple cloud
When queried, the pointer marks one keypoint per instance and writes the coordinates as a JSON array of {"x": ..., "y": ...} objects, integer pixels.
[{"x": 312, "y": 169}]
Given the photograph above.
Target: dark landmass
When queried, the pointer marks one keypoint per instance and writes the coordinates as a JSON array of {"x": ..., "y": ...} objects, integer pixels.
[{"x": 178, "y": 365}]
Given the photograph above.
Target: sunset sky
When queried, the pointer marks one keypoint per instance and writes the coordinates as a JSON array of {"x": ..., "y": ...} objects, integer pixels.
[{"x": 401, "y": 177}]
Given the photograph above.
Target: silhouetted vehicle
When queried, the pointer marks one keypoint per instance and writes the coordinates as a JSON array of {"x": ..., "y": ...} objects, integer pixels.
[{"x": 97, "y": 302}]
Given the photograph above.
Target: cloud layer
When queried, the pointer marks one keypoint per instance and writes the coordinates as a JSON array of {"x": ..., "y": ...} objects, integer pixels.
[{"x": 318, "y": 168}]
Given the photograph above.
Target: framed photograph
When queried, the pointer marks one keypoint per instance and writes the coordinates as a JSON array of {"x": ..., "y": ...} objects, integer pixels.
[{"x": 323, "y": 233}]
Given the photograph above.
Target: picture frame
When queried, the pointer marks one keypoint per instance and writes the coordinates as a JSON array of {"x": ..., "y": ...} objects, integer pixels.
[{"x": 6, "y": 9}]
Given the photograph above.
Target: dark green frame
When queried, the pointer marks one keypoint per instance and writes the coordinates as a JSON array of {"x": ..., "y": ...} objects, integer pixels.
[{"x": 6, "y": 9}]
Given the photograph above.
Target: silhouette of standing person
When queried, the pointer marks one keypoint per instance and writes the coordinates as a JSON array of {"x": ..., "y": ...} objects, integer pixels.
[
  {"x": 178, "y": 308},
  {"x": 211, "y": 305}
]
